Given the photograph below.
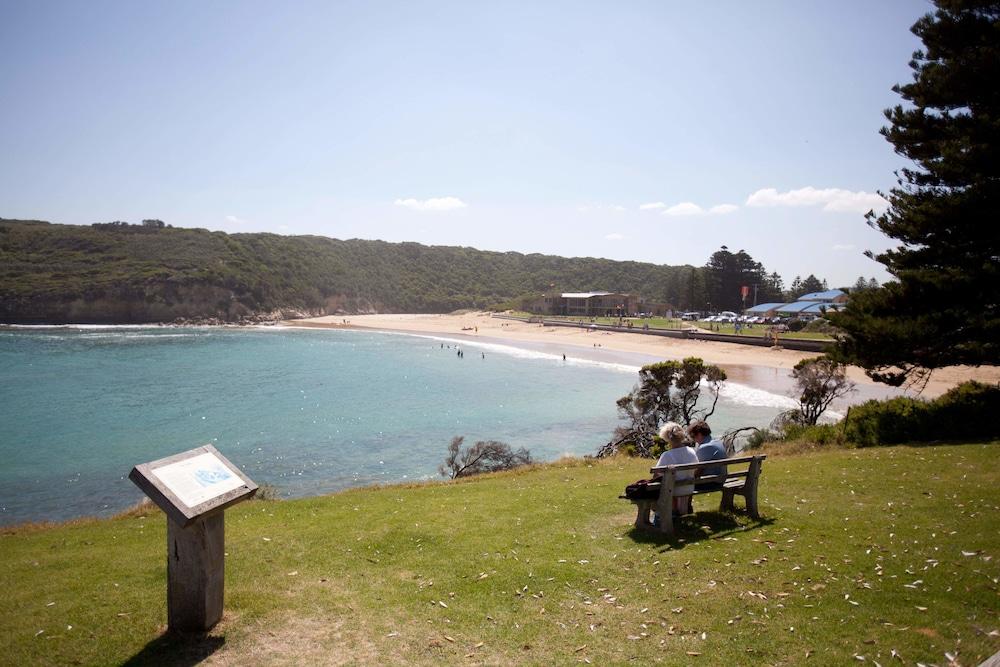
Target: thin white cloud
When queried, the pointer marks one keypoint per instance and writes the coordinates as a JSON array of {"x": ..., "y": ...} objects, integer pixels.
[
  {"x": 685, "y": 208},
  {"x": 690, "y": 208},
  {"x": 652, "y": 206},
  {"x": 843, "y": 246},
  {"x": 235, "y": 220},
  {"x": 834, "y": 200},
  {"x": 615, "y": 236},
  {"x": 432, "y": 204}
]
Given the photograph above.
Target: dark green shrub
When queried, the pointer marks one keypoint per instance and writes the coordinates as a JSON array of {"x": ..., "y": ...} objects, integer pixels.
[
  {"x": 966, "y": 411},
  {"x": 821, "y": 434},
  {"x": 969, "y": 410},
  {"x": 796, "y": 325}
]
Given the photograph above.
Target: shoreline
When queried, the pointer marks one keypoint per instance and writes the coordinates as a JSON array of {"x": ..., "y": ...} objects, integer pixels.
[{"x": 759, "y": 367}]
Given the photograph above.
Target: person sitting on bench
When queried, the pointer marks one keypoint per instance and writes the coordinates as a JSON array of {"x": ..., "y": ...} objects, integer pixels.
[
  {"x": 678, "y": 453},
  {"x": 707, "y": 449}
]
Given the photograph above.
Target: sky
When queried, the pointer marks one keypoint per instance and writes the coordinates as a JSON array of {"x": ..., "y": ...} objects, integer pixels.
[{"x": 648, "y": 131}]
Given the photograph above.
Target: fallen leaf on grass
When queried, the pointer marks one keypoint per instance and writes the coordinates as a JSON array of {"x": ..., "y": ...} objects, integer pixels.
[
  {"x": 293, "y": 573},
  {"x": 393, "y": 634},
  {"x": 694, "y": 653},
  {"x": 919, "y": 608},
  {"x": 579, "y": 648},
  {"x": 449, "y": 639},
  {"x": 266, "y": 539},
  {"x": 479, "y": 645},
  {"x": 441, "y": 602}
]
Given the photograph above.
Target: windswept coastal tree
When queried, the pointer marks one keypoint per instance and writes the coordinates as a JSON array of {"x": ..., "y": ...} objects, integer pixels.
[
  {"x": 484, "y": 456},
  {"x": 820, "y": 381},
  {"x": 943, "y": 306},
  {"x": 667, "y": 391}
]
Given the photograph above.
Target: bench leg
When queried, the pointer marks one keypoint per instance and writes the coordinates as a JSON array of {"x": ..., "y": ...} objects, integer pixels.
[
  {"x": 642, "y": 517},
  {"x": 751, "y": 497},
  {"x": 727, "y": 501},
  {"x": 750, "y": 490},
  {"x": 665, "y": 510}
]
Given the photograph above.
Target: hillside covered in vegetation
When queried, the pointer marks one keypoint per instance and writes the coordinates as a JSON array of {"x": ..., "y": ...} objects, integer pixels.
[{"x": 121, "y": 273}]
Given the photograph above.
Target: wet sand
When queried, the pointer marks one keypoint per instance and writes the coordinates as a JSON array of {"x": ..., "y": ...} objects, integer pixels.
[{"x": 759, "y": 367}]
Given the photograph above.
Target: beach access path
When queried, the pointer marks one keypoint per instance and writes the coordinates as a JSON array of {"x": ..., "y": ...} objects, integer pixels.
[{"x": 761, "y": 367}]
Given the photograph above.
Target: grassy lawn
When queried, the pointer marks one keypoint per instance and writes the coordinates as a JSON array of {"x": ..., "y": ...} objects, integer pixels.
[
  {"x": 637, "y": 322},
  {"x": 872, "y": 553},
  {"x": 759, "y": 330}
]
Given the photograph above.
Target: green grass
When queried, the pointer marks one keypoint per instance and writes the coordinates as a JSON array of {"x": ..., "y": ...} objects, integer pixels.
[
  {"x": 861, "y": 552},
  {"x": 637, "y": 322},
  {"x": 759, "y": 330}
]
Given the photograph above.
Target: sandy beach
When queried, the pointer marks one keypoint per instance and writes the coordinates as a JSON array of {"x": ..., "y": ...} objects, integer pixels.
[{"x": 764, "y": 368}]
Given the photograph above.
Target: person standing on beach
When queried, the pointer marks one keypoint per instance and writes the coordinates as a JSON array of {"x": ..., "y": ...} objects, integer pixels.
[{"x": 707, "y": 449}]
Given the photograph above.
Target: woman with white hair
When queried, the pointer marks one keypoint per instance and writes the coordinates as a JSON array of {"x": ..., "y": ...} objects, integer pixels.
[{"x": 678, "y": 452}]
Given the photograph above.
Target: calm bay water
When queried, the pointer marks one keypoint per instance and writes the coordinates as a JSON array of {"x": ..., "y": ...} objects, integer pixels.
[{"x": 310, "y": 411}]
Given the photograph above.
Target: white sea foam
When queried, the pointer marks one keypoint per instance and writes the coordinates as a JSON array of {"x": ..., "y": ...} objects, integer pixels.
[
  {"x": 747, "y": 395},
  {"x": 519, "y": 352},
  {"x": 731, "y": 391},
  {"x": 83, "y": 327}
]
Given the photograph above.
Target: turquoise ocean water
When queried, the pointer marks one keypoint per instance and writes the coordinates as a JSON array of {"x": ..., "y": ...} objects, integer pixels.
[{"x": 309, "y": 411}]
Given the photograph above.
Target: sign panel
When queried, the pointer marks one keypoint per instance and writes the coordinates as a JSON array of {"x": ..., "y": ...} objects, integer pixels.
[
  {"x": 198, "y": 479},
  {"x": 193, "y": 484}
]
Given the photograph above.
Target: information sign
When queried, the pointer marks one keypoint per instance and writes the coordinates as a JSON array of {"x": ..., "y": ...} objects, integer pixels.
[
  {"x": 194, "y": 488},
  {"x": 193, "y": 483}
]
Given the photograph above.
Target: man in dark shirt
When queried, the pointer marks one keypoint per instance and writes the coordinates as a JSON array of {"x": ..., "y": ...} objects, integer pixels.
[{"x": 707, "y": 449}]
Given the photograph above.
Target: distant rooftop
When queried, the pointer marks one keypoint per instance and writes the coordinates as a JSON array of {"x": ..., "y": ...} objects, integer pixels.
[
  {"x": 764, "y": 307},
  {"x": 583, "y": 295},
  {"x": 820, "y": 308},
  {"x": 828, "y": 295}
]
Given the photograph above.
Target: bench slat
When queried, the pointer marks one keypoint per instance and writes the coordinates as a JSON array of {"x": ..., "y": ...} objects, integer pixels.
[{"x": 702, "y": 464}]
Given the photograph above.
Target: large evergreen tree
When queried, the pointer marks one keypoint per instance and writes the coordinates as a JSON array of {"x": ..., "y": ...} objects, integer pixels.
[
  {"x": 942, "y": 307},
  {"x": 726, "y": 273}
]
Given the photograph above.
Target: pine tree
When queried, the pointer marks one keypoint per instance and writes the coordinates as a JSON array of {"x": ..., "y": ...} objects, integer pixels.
[{"x": 943, "y": 306}]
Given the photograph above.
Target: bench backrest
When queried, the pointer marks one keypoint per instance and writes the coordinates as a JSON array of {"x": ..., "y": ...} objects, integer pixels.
[{"x": 730, "y": 473}]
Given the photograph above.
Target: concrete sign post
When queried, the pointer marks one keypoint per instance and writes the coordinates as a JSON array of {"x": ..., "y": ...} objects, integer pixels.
[{"x": 194, "y": 489}]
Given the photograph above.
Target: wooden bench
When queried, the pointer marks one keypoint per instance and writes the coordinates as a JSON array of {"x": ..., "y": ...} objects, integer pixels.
[{"x": 734, "y": 483}]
